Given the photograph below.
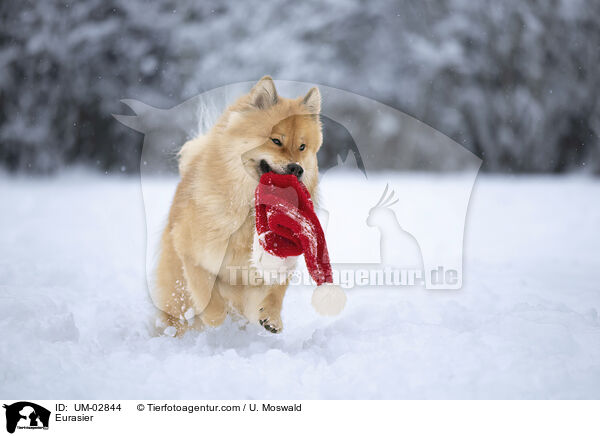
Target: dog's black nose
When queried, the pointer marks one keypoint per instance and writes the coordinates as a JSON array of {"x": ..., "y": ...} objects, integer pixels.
[{"x": 295, "y": 169}]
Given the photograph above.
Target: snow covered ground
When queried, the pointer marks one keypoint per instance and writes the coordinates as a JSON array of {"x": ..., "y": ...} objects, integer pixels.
[{"x": 75, "y": 314}]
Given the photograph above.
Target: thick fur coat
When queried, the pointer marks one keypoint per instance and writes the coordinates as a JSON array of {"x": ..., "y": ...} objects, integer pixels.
[{"x": 207, "y": 245}]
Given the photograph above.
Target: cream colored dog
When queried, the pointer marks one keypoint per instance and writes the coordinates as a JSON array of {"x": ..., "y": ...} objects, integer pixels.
[{"x": 208, "y": 242}]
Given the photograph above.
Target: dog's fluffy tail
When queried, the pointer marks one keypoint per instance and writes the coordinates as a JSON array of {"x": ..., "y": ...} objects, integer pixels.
[
  {"x": 212, "y": 105},
  {"x": 209, "y": 109},
  {"x": 207, "y": 114}
]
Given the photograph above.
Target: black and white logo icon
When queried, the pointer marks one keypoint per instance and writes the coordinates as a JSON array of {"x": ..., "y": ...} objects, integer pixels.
[{"x": 26, "y": 415}]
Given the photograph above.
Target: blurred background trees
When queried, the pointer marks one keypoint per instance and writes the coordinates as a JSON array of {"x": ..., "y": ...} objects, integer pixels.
[{"x": 515, "y": 82}]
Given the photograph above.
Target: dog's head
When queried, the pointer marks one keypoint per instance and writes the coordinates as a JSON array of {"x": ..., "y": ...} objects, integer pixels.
[{"x": 287, "y": 132}]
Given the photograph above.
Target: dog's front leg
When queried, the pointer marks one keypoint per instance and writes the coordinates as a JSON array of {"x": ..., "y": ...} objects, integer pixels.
[
  {"x": 269, "y": 310},
  {"x": 202, "y": 288}
]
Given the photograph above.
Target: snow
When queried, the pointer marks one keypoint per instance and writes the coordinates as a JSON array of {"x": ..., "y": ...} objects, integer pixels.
[{"x": 77, "y": 319}]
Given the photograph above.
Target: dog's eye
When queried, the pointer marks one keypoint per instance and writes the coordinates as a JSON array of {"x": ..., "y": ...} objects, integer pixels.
[
  {"x": 276, "y": 141},
  {"x": 302, "y": 147}
]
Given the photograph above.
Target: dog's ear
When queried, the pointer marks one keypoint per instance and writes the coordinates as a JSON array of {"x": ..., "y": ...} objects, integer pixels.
[
  {"x": 264, "y": 95},
  {"x": 312, "y": 100}
]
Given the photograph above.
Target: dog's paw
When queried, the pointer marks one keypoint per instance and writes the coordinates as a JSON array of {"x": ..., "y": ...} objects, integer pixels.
[
  {"x": 213, "y": 320},
  {"x": 271, "y": 322}
]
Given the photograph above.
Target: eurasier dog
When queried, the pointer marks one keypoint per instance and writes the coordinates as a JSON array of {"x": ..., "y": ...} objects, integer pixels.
[{"x": 211, "y": 226}]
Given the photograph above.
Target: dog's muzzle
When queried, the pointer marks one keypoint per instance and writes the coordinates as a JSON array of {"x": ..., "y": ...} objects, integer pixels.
[
  {"x": 293, "y": 168},
  {"x": 264, "y": 167}
]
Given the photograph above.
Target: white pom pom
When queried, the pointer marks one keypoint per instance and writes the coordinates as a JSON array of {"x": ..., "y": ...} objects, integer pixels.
[{"x": 329, "y": 299}]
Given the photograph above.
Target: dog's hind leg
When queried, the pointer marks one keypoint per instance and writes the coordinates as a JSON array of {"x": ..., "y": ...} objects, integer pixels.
[
  {"x": 216, "y": 311},
  {"x": 169, "y": 294}
]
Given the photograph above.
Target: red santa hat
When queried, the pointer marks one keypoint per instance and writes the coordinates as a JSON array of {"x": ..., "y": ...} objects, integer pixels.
[{"x": 287, "y": 225}]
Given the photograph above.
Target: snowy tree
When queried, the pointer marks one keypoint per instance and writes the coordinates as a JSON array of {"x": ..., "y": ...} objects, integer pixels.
[{"x": 514, "y": 81}]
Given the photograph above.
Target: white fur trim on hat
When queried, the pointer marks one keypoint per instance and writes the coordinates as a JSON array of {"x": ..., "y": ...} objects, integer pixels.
[{"x": 273, "y": 269}]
